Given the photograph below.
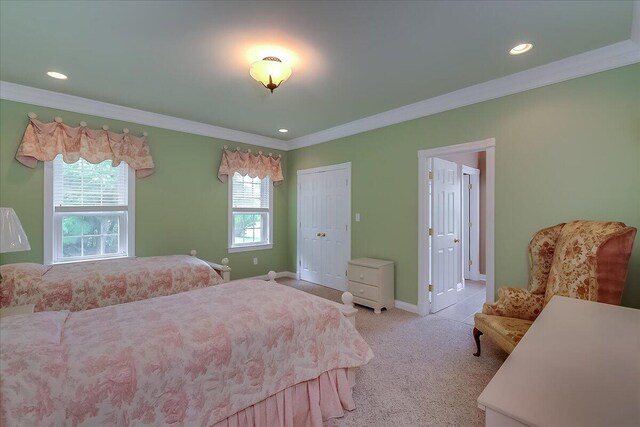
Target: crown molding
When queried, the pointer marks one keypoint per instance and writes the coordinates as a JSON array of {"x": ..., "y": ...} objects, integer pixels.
[
  {"x": 606, "y": 58},
  {"x": 76, "y": 104}
]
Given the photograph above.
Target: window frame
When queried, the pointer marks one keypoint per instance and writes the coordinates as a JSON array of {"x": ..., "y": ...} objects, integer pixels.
[
  {"x": 231, "y": 248},
  {"x": 52, "y": 221}
]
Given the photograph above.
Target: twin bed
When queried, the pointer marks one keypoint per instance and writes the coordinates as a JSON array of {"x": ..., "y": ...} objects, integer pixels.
[
  {"x": 87, "y": 285},
  {"x": 243, "y": 353}
]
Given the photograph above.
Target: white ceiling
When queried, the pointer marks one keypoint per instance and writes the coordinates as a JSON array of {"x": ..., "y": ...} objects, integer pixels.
[{"x": 351, "y": 59}]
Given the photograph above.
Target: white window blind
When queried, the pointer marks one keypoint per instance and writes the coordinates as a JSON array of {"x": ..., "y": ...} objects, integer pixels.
[
  {"x": 250, "y": 193},
  {"x": 84, "y": 184}
]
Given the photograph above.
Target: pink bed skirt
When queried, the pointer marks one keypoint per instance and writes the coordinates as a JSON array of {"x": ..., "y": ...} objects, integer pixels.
[{"x": 306, "y": 404}]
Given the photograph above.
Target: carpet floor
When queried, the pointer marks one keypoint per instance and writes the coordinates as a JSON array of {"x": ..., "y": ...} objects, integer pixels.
[{"x": 423, "y": 373}]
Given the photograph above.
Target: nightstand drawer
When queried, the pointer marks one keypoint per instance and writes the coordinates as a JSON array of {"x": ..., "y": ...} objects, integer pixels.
[
  {"x": 363, "y": 291},
  {"x": 361, "y": 274}
]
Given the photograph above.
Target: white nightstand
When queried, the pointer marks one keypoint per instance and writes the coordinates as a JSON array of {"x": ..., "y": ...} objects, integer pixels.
[{"x": 371, "y": 283}]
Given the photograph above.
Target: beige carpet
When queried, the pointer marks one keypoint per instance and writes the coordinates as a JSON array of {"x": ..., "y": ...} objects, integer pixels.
[{"x": 423, "y": 373}]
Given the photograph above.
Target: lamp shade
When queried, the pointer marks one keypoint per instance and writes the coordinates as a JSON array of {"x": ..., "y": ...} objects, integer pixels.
[
  {"x": 12, "y": 235},
  {"x": 270, "y": 71}
]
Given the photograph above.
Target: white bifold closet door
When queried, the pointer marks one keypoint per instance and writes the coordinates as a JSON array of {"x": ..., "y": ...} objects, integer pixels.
[{"x": 323, "y": 221}]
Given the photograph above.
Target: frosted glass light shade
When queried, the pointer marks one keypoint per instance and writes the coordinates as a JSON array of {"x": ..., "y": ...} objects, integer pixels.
[
  {"x": 270, "y": 71},
  {"x": 12, "y": 235}
]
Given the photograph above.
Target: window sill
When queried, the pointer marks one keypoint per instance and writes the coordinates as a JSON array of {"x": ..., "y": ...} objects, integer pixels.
[
  {"x": 80, "y": 261},
  {"x": 249, "y": 248}
]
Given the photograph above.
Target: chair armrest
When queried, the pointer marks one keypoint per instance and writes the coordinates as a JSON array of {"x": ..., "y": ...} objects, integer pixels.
[{"x": 516, "y": 302}]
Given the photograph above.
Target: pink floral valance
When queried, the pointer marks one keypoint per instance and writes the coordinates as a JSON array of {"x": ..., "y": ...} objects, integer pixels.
[
  {"x": 254, "y": 165},
  {"x": 44, "y": 141}
]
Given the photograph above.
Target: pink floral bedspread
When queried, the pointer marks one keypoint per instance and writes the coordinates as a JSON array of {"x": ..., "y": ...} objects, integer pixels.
[
  {"x": 86, "y": 285},
  {"x": 193, "y": 358}
]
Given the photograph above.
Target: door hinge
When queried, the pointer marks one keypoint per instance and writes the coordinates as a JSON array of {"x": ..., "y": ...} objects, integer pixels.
[
  {"x": 430, "y": 231},
  {"x": 469, "y": 224},
  {"x": 430, "y": 287},
  {"x": 470, "y": 263},
  {"x": 346, "y": 227},
  {"x": 430, "y": 174},
  {"x": 470, "y": 186},
  {"x": 346, "y": 182},
  {"x": 300, "y": 262}
]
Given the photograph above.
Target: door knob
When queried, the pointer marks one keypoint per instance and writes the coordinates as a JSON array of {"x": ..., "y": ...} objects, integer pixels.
[
  {"x": 319, "y": 234},
  {"x": 323, "y": 234},
  {"x": 455, "y": 240}
]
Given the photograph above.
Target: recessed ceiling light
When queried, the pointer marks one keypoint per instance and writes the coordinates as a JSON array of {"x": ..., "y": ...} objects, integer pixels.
[
  {"x": 283, "y": 130},
  {"x": 56, "y": 75},
  {"x": 521, "y": 48}
]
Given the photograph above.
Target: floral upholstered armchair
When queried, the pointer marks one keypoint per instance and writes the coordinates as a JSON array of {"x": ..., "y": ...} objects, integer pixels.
[{"x": 580, "y": 259}]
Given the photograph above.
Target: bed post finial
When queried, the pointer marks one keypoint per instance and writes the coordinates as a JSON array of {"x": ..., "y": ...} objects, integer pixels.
[
  {"x": 347, "y": 308},
  {"x": 193, "y": 252},
  {"x": 272, "y": 276},
  {"x": 347, "y": 299}
]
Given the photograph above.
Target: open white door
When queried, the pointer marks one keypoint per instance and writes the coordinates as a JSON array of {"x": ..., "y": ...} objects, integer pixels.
[{"x": 446, "y": 265}]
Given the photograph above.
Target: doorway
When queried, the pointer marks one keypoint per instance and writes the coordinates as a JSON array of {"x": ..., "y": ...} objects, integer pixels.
[
  {"x": 324, "y": 234},
  {"x": 446, "y": 241},
  {"x": 471, "y": 224}
]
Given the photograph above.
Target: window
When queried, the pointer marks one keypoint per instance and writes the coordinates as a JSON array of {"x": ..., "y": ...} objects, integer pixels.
[
  {"x": 250, "y": 213},
  {"x": 89, "y": 211}
]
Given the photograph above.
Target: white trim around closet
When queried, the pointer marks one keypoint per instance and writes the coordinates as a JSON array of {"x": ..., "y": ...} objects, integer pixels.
[{"x": 327, "y": 168}]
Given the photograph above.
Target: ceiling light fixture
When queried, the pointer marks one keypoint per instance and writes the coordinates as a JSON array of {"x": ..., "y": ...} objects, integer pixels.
[
  {"x": 270, "y": 71},
  {"x": 521, "y": 48},
  {"x": 283, "y": 130},
  {"x": 56, "y": 75}
]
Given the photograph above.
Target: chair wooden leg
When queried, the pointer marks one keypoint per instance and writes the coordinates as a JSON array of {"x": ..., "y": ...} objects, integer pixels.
[{"x": 476, "y": 336}]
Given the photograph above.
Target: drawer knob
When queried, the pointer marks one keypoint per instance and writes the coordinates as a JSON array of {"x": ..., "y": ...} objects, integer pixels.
[{"x": 362, "y": 276}]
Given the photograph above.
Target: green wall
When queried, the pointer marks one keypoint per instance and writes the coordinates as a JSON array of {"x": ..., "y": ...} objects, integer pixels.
[
  {"x": 565, "y": 151},
  {"x": 182, "y": 206}
]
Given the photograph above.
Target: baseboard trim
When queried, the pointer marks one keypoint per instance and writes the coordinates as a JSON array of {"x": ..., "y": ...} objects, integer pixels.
[
  {"x": 279, "y": 275},
  {"x": 411, "y": 308},
  {"x": 482, "y": 277}
]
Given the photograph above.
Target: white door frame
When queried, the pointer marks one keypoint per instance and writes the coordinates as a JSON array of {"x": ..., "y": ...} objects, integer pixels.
[
  {"x": 347, "y": 167},
  {"x": 424, "y": 208},
  {"x": 474, "y": 218}
]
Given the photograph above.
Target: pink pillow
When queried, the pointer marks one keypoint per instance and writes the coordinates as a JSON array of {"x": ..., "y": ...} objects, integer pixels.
[
  {"x": 35, "y": 329},
  {"x": 23, "y": 269},
  {"x": 22, "y": 279}
]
